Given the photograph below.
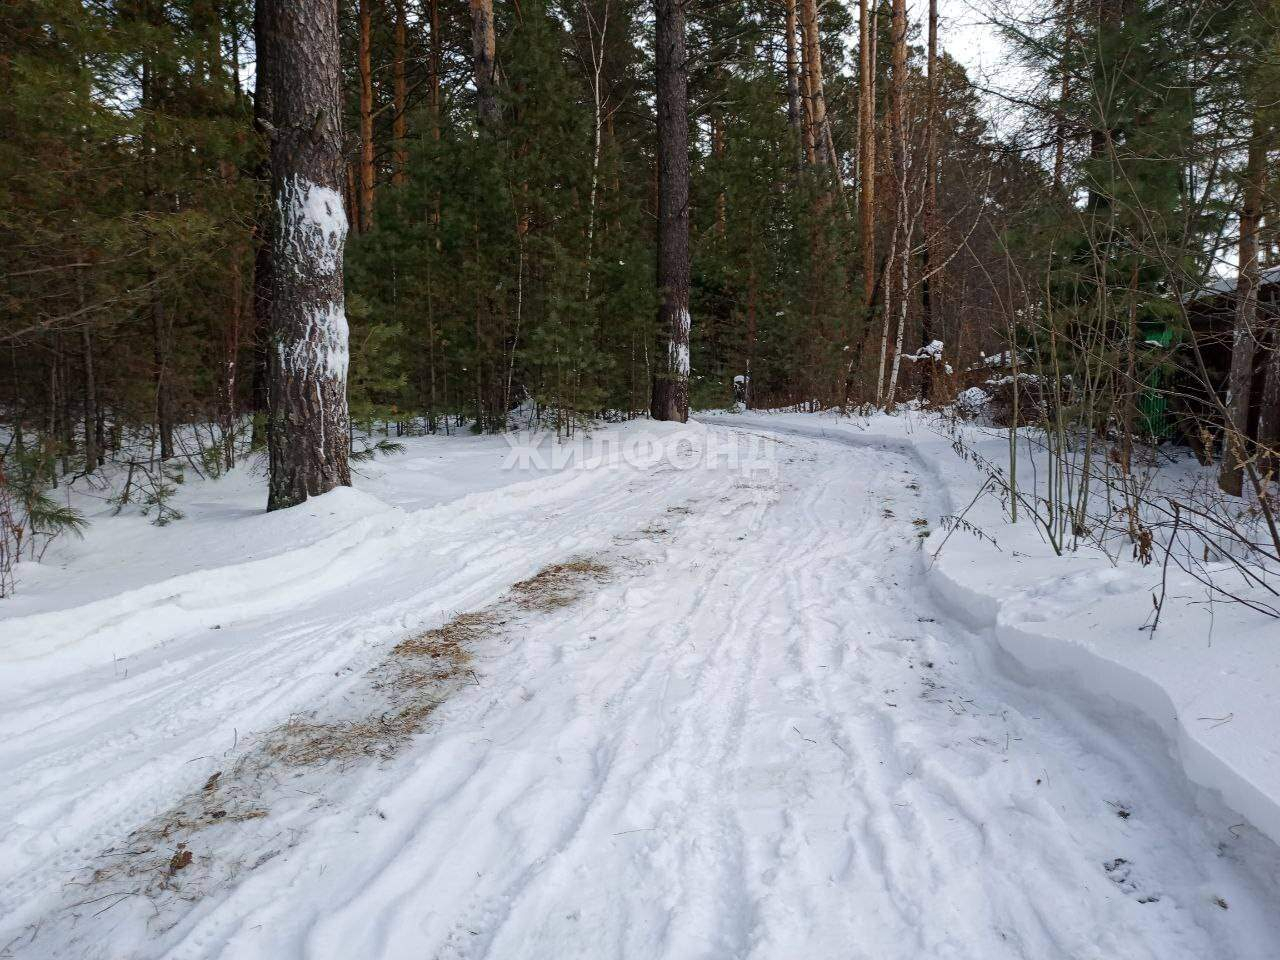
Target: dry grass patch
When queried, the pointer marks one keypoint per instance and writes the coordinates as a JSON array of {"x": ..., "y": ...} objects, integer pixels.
[
  {"x": 151, "y": 858},
  {"x": 449, "y": 642},
  {"x": 306, "y": 743},
  {"x": 413, "y": 681},
  {"x": 558, "y": 585}
]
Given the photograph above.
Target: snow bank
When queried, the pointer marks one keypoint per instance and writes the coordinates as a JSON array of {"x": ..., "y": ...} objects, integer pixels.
[{"x": 1209, "y": 677}]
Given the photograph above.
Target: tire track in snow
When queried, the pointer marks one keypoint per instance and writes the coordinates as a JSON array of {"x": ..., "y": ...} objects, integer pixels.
[
  {"x": 705, "y": 826},
  {"x": 1039, "y": 922},
  {"x": 630, "y": 781},
  {"x": 650, "y": 776},
  {"x": 484, "y": 910},
  {"x": 256, "y": 681}
]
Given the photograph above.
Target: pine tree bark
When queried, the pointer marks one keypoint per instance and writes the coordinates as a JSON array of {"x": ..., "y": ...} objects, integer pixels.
[
  {"x": 91, "y": 452},
  {"x": 900, "y": 248},
  {"x": 717, "y": 151},
  {"x": 263, "y": 122},
  {"x": 1236, "y": 442},
  {"x": 484, "y": 62},
  {"x": 231, "y": 361},
  {"x": 1269, "y": 418},
  {"x": 1064, "y": 92},
  {"x": 66, "y": 410},
  {"x": 819, "y": 134},
  {"x": 748, "y": 391},
  {"x": 159, "y": 326},
  {"x": 160, "y": 354},
  {"x": 433, "y": 79},
  {"x": 351, "y": 194},
  {"x": 366, "y": 116},
  {"x": 307, "y": 440},
  {"x": 90, "y": 394},
  {"x": 928, "y": 282},
  {"x": 55, "y": 369},
  {"x": 795, "y": 111},
  {"x": 399, "y": 127},
  {"x": 866, "y": 155},
  {"x": 670, "y": 391}
]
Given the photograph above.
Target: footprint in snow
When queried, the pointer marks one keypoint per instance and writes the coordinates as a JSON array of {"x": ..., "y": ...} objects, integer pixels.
[{"x": 1120, "y": 872}]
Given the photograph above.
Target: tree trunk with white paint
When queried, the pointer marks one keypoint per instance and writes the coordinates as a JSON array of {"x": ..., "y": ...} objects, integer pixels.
[
  {"x": 307, "y": 432},
  {"x": 670, "y": 399}
]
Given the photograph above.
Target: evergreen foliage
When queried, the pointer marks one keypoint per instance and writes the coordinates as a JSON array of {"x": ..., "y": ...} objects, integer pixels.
[{"x": 509, "y": 265}]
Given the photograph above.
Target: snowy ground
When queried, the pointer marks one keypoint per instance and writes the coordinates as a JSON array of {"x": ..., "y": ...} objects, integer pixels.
[{"x": 746, "y": 731}]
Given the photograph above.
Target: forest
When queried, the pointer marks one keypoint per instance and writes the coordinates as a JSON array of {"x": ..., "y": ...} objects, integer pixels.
[{"x": 849, "y": 203}]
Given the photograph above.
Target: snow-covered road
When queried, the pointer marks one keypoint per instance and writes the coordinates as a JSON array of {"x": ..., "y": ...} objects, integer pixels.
[{"x": 757, "y": 736}]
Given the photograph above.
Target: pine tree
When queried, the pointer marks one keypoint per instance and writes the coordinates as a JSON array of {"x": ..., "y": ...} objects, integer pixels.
[
  {"x": 671, "y": 371},
  {"x": 307, "y": 428}
]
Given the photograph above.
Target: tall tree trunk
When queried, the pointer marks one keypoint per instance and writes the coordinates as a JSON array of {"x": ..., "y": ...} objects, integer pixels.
[
  {"x": 1244, "y": 343},
  {"x": 90, "y": 395},
  {"x": 351, "y": 193},
  {"x": 308, "y": 440},
  {"x": 484, "y": 62},
  {"x": 866, "y": 156},
  {"x": 160, "y": 354},
  {"x": 399, "y": 127},
  {"x": 486, "y": 312},
  {"x": 816, "y": 102},
  {"x": 433, "y": 69},
  {"x": 748, "y": 391},
  {"x": 597, "y": 132},
  {"x": 928, "y": 282},
  {"x": 717, "y": 151},
  {"x": 433, "y": 97},
  {"x": 1269, "y": 419},
  {"x": 159, "y": 326},
  {"x": 65, "y": 410},
  {"x": 233, "y": 21},
  {"x": 55, "y": 369},
  {"x": 795, "y": 111},
  {"x": 263, "y": 122},
  {"x": 231, "y": 361},
  {"x": 821, "y": 131},
  {"x": 91, "y": 452},
  {"x": 671, "y": 372},
  {"x": 1131, "y": 387},
  {"x": 1064, "y": 91},
  {"x": 899, "y": 262},
  {"x": 366, "y": 117},
  {"x": 1108, "y": 14},
  {"x": 807, "y": 141}
]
